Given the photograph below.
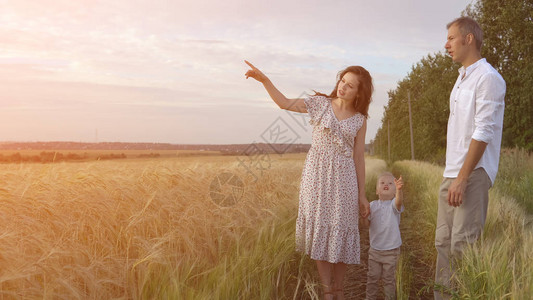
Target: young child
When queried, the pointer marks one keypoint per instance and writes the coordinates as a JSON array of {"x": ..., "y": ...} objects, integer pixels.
[{"x": 385, "y": 240}]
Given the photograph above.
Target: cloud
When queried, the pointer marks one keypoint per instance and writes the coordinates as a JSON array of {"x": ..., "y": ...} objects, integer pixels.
[{"x": 123, "y": 62}]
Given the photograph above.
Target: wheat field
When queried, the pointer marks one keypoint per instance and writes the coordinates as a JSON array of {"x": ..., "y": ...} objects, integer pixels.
[
  {"x": 109, "y": 229},
  {"x": 205, "y": 228},
  {"x": 152, "y": 229}
]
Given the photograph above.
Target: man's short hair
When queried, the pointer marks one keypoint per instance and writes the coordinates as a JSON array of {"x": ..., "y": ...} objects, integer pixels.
[{"x": 468, "y": 25}]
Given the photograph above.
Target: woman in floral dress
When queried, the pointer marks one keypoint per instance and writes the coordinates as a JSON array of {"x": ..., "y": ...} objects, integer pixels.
[{"x": 332, "y": 190}]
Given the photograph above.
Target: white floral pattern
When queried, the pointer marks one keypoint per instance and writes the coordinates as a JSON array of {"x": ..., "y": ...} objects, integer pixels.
[{"x": 328, "y": 214}]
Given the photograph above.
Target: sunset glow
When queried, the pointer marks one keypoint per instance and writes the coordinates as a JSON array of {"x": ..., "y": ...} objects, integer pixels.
[{"x": 158, "y": 71}]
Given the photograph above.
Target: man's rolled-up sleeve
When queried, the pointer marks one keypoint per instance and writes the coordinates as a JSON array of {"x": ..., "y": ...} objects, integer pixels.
[{"x": 490, "y": 103}]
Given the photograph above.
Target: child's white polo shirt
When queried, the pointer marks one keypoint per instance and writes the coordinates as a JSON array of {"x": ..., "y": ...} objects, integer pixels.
[{"x": 384, "y": 225}]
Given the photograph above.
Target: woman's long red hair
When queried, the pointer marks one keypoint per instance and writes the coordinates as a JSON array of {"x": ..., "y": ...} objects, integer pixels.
[{"x": 364, "y": 90}]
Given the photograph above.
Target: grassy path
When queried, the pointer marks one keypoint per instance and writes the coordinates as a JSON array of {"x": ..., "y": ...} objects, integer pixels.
[{"x": 416, "y": 268}]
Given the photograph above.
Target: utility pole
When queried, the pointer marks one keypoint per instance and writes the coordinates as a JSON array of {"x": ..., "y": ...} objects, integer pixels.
[
  {"x": 411, "y": 126},
  {"x": 388, "y": 135}
]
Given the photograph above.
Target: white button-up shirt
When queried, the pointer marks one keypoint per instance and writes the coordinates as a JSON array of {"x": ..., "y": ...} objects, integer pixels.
[{"x": 476, "y": 112}]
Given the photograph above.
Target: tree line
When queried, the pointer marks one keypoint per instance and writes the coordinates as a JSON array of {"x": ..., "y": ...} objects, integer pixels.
[
  {"x": 507, "y": 46},
  {"x": 53, "y": 156}
]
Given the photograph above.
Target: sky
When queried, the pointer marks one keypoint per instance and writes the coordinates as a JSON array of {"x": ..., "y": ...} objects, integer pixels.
[{"x": 173, "y": 71}]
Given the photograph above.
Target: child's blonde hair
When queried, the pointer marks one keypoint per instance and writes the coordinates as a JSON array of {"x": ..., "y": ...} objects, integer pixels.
[{"x": 386, "y": 173}]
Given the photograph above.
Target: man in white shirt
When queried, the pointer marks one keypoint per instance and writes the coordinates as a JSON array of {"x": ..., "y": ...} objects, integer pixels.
[{"x": 472, "y": 151}]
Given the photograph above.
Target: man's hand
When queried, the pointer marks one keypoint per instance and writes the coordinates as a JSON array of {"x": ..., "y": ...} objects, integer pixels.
[{"x": 456, "y": 192}]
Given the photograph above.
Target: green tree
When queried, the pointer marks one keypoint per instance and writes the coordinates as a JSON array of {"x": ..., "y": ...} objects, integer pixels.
[
  {"x": 429, "y": 85},
  {"x": 507, "y": 45}
]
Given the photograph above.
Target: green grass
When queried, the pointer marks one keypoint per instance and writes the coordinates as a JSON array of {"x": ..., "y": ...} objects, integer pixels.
[
  {"x": 500, "y": 265},
  {"x": 515, "y": 177}
]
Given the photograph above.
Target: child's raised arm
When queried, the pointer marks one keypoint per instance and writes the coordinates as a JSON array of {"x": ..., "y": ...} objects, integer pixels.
[
  {"x": 398, "y": 201},
  {"x": 283, "y": 102}
]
